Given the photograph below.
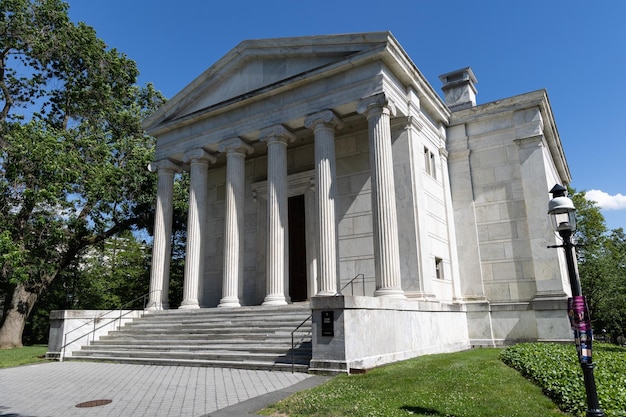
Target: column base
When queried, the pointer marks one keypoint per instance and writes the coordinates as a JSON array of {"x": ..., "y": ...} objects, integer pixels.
[
  {"x": 325, "y": 293},
  {"x": 275, "y": 300},
  {"x": 229, "y": 302},
  {"x": 155, "y": 306},
  {"x": 189, "y": 305},
  {"x": 389, "y": 292}
]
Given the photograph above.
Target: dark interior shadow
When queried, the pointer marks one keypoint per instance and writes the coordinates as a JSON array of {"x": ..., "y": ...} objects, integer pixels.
[{"x": 423, "y": 411}]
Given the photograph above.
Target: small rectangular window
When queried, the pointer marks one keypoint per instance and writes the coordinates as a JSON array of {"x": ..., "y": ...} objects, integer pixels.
[
  {"x": 433, "y": 170},
  {"x": 429, "y": 162},
  {"x": 439, "y": 268}
]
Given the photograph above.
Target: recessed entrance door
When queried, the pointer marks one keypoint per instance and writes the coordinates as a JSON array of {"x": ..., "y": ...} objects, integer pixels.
[{"x": 297, "y": 249}]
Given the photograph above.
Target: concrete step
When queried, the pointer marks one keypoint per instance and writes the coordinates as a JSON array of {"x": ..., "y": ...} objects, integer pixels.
[
  {"x": 223, "y": 331},
  {"x": 250, "y": 337},
  {"x": 248, "y": 364},
  {"x": 197, "y": 355},
  {"x": 267, "y": 328},
  {"x": 301, "y": 309},
  {"x": 280, "y": 338},
  {"x": 217, "y": 323},
  {"x": 300, "y": 349}
]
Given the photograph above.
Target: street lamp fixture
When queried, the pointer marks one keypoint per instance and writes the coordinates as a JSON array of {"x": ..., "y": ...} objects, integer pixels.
[
  {"x": 563, "y": 217},
  {"x": 561, "y": 210}
]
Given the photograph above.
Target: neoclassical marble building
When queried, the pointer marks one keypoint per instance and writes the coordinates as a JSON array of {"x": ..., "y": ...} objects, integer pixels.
[{"x": 315, "y": 160}]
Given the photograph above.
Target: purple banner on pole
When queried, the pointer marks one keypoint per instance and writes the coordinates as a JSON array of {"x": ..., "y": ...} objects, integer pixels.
[
  {"x": 581, "y": 325},
  {"x": 578, "y": 313}
]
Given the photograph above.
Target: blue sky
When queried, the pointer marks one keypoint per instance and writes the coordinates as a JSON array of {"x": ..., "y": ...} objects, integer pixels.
[{"x": 574, "y": 49}]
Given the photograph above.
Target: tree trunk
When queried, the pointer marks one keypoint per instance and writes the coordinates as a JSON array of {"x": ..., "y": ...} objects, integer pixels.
[{"x": 20, "y": 304}]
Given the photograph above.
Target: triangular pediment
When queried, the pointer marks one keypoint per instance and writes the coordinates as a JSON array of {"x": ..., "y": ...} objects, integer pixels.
[
  {"x": 258, "y": 64},
  {"x": 253, "y": 75}
]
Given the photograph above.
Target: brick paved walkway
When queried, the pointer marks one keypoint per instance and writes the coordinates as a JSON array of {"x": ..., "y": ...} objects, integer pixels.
[{"x": 54, "y": 389}]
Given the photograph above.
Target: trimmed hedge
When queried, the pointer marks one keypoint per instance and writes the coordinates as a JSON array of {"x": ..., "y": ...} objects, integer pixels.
[{"x": 555, "y": 368}]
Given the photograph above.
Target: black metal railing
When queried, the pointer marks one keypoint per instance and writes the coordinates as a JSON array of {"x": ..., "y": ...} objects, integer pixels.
[
  {"x": 293, "y": 344},
  {"x": 351, "y": 284},
  {"x": 293, "y": 341},
  {"x": 99, "y": 318}
]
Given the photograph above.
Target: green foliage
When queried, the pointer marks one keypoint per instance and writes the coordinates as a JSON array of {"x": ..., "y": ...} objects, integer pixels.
[
  {"x": 110, "y": 274},
  {"x": 73, "y": 154},
  {"x": 106, "y": 277},
  {"x": 555, "y": 368},
  {"x": 460, "y": 384},
  {"x": 591, "y": 227},
  {"x": 11, "y": 257},
  {"x": 602, "y": 267}
]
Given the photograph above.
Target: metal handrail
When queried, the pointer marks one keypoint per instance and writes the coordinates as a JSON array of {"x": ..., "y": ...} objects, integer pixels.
[
  {"x": 351, "y": 284},
  {"x": 293, "y": 349},
  {"x": 96, "y": 319},
  {"x": 293, "y": 345}
]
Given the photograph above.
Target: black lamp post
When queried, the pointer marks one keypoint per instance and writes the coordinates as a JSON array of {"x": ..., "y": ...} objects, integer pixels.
[{"x": 563, "y": 215}]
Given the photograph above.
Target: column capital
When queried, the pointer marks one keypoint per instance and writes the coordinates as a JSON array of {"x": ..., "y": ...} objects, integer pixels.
[
  {"x": 379, "y": 102},
  {"x": 198, "y": 154},
  {"x": 324, "y": 117},
  {"x": 235, "y": 145},
  {"x": 276, "y": 133},
  {"x": 164, "y": 165}
]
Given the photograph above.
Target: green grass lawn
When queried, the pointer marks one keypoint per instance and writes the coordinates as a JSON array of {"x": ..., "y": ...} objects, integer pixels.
[
  {"x": 473, "y": 383},
  {"x": 22, "y": 356}
]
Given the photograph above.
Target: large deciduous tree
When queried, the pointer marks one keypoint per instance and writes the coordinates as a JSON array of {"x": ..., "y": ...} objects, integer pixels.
[
  {"x": 73, "y": 155},
  {"x": 601, "y": 257}
]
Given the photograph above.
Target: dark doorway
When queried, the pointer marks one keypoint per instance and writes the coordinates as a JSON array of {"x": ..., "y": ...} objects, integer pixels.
[{"x": 297, "y": 249}]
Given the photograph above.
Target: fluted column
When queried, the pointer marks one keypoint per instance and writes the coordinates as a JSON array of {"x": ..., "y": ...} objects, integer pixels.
[
  {"x": 160, "y": 270},
  {"x": 324, "y": 125},
  {"x": 378, "y": 109},
  {"x": 236, "y": 151},
  {"x": 277, "y": 261},
  {"x": 199, "y": 161}
]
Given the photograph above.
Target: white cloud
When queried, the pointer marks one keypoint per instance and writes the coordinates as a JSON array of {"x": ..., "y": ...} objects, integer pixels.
[{"x": 607, "y": 201}]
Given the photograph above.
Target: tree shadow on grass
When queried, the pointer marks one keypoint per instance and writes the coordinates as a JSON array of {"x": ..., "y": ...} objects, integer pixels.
[{"x": 423, "y": 411}]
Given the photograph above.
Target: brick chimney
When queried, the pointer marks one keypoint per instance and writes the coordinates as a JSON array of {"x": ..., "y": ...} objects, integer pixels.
[{"x": 458, "y": 88}]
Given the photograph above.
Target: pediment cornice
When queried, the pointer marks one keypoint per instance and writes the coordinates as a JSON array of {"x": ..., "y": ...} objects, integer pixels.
[{"x": 259, "y": 69}]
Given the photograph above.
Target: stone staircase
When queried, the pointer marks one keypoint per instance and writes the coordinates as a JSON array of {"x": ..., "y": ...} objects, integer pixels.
[{"x": 247, "y": 338}]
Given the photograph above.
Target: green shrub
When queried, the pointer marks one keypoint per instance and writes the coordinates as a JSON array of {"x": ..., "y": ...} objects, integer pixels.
[{"x": 555, "y": 368}]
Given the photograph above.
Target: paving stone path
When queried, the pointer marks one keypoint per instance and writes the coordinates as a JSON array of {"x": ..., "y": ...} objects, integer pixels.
[{"x": 55, "y": 389}]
